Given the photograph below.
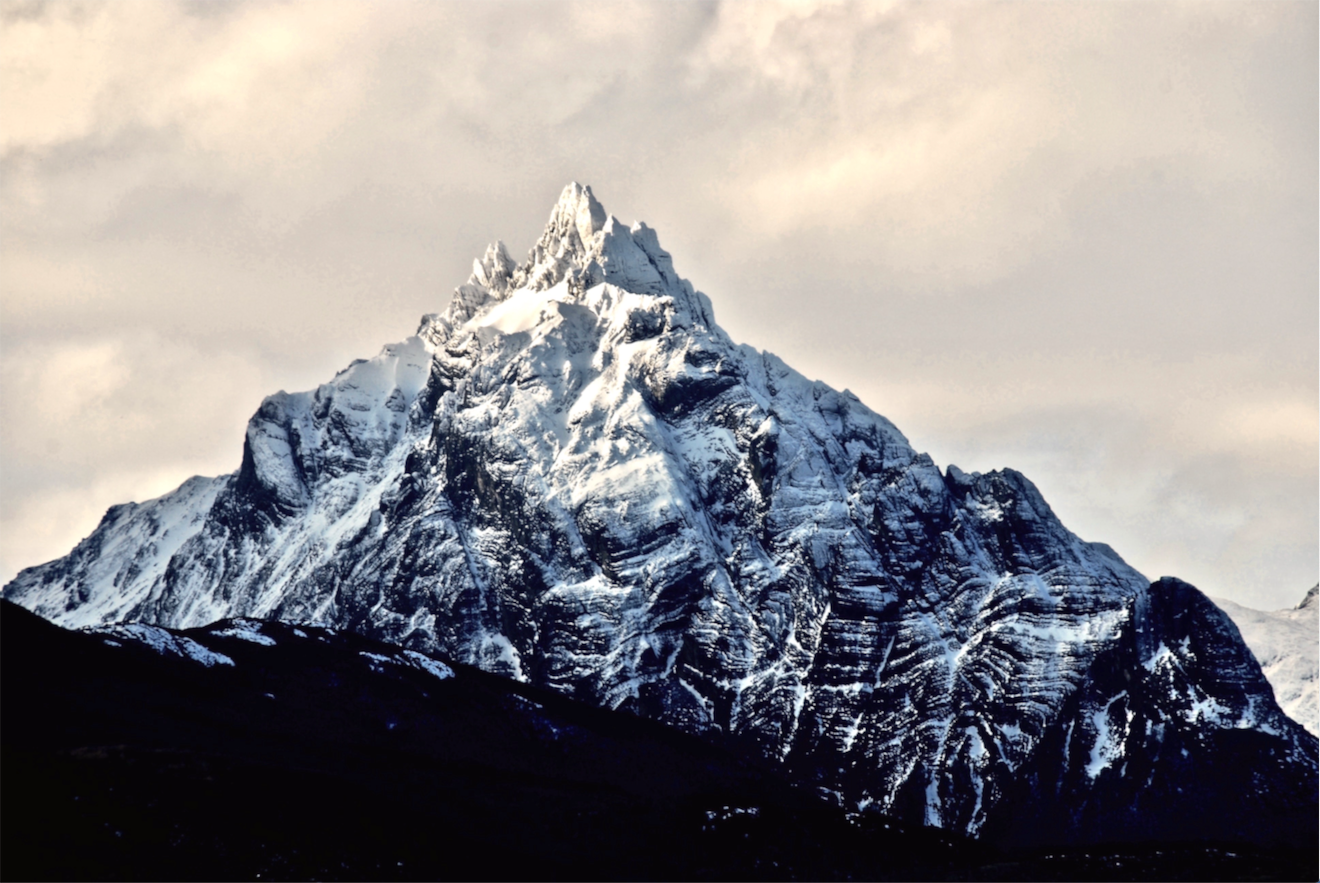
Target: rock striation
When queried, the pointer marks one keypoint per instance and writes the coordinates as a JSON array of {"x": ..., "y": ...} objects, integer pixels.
[{"x": 573, "y": 477}]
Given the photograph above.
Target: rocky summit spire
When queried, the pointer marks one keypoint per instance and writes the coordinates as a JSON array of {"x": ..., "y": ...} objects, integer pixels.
[
  {"x": 495, "y": 269},
  {"x": 581, "y": 246},
  {"x": 585, "y": 245},
  {"x": 578, "y": 211},
  {"x": 564, "y": 246},
  {"x": 574, "y": 221},
  {"x": 566, "y": 243}
]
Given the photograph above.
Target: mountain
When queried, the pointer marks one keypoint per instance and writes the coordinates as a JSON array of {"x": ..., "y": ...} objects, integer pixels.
[
  {"x": 1286, "y": 643},
  {"x": 573, "y": 477}
]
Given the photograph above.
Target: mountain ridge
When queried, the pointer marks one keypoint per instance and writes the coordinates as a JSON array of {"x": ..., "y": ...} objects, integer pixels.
[
  {"x": 1284, "y": 642},
  {"x": 572, "y": 476},
  {"x": 251, "y": 749}
]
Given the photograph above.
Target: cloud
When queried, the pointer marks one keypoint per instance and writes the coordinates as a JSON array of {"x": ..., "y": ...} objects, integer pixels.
[
  {"x": 261, "y": 80},
  {"x": 41, "y": 527},
  {"x": 960, "y": 132},
  {"x": 86, "y": 411},
  {"x": 68, "y": 379},
  {"x": 1077, "y": 238}
]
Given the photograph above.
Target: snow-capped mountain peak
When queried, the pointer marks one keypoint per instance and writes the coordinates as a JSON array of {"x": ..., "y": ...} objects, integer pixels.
[
  {"x": 581, "y": 247},
  {"x": 574, "y": 222},
  {"x": 586, "y": 246},
  {"x": 573, "y": 477}
]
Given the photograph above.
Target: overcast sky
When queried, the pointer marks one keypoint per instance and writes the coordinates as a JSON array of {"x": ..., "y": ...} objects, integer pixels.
[{"x": 1079, "y": 240}]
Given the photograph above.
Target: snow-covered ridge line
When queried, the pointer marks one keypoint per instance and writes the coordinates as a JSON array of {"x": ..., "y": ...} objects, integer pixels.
[
  {"x": 200, "y": 644},
  {"x": 162, "y": 641}
]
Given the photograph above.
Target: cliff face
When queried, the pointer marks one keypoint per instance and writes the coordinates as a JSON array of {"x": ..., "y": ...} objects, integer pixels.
[{"x": 575, "y": 478}]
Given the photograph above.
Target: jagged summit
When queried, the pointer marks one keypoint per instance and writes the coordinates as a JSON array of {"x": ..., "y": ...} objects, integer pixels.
[
  {"x": 581, "y": 247},
  {"x": 574, "y": 223},
  {"x": 573, "y": 477}
]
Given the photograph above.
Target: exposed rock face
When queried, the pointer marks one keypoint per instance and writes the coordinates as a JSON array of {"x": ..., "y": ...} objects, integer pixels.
[
  {"x": 1173, "y": 734},
  {"x": 1286, "y": 643},
  {"x": 574, "y": 477}
]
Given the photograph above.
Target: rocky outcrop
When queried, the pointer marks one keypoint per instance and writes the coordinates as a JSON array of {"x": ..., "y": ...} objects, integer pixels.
[{"x": 1172, "y": 737}]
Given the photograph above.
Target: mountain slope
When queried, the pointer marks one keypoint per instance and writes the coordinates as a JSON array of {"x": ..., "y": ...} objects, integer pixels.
[
  {"x": 1185, "y": 740},
  {"x": 575, "y": 478},
  {"x": 1287, "y": 645}
]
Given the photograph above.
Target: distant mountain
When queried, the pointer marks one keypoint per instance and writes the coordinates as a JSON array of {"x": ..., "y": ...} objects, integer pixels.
[
  {"x": 573, "y": 477},
  {"x": 256, "y": 750},
  {"x": 1286, "y": 643}
]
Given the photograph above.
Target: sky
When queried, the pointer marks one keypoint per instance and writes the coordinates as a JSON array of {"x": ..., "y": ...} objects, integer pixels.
[{"x": 1078, "y": 240}]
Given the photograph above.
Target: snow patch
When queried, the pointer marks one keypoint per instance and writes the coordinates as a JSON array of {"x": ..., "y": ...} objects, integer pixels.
[
  {"x": 164, "y": 643},
  {"x": 523, "y": 311},
  {"x": 245, "y": 630},
  {"x": 1162, "y": 656},
  {"x": 427, "y": 664},
  {"x": 375, "y": 660},
  {"x": 1109, "y": 743}
]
